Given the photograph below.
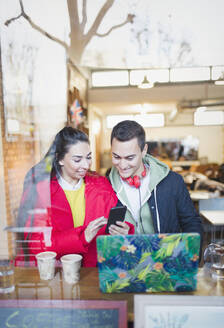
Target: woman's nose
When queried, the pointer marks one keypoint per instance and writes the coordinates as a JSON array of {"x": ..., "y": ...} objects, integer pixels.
[{"x": 85, "y": 164}]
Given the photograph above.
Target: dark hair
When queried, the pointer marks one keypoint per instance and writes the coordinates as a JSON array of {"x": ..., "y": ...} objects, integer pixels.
[
  {"x": 127, "y": 130},
  {"x": 65, "y": 138}
]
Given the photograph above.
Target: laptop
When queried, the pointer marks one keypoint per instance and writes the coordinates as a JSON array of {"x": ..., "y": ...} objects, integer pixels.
[{"x": 148, "y": 263}]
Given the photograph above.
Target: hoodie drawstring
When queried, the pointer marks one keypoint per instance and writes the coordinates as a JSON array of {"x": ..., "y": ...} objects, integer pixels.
[{"x": 157, "y": 212}]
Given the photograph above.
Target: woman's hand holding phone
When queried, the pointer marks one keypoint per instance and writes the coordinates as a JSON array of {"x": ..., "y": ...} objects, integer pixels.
[{"x": 93, "y": 227}]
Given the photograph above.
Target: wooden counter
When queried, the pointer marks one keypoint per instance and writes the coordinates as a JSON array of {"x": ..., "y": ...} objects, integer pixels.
[{"x": 29, "y": 286}]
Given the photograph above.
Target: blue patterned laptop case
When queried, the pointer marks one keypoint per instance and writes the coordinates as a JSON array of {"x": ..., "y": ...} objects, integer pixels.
[{"x": 148, "y": 263}]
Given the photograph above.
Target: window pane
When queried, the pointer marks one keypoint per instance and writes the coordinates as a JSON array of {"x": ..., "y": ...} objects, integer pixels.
[
  {"x": 112, "y": 120},
  {"x": 104, "y": 79},
  {"x": 209, "y": 118},
  {"x": 189, "y": 74},
  {"x": 150, "y": 120},
  {"x": 146, "y": 120}
]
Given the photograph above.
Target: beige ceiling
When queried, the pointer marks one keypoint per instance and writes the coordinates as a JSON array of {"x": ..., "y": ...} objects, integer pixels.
[
  {"x": 134, "y": 108},
  {"x": 161, "y": 99}
]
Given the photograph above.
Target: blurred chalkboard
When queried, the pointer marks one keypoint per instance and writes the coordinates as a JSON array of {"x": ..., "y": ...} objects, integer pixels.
[{"x": 62, "y": 314}]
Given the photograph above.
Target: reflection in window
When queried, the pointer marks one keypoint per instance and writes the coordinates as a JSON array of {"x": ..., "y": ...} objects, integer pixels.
[
  {"x": 209, "y": 118},
  {"x": 217, "y": 72},
  {"x": 164, "y": 75},
  {"x": 13, "y": 126}
]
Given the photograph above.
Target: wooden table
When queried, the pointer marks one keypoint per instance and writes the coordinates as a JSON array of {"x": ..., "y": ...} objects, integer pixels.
[{"x": 29, "y": 286}]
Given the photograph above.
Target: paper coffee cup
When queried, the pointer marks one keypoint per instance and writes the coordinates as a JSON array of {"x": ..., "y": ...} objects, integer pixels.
[
  {"x": 46, "y": 265},
  {"x": 71, "y": 264}
]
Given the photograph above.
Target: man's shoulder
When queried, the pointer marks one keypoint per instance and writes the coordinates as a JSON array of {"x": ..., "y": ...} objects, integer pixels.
[{"x": 173, "y": 177}]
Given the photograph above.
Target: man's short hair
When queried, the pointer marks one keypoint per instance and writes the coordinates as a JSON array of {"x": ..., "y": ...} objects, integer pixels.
[{"x": 127, "y": 130}]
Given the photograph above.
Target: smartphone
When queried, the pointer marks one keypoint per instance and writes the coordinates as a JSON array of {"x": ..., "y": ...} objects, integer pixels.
[{"x": 116, "y": 214}]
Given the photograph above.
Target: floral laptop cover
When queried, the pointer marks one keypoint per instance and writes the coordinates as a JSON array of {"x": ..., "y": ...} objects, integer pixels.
[{"x": 148, "y": 263}]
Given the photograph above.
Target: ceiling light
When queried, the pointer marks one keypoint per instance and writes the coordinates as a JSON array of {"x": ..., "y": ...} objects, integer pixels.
[
  {"x": 201, "y": 109},
  {"x": 146, "y": 84},
  {"x": 173, "y": 114},
  {"x": 220, "y": 80}
]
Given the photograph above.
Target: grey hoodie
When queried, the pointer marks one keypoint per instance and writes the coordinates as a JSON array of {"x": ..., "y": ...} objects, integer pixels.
[{"x": 158, "y": 171}]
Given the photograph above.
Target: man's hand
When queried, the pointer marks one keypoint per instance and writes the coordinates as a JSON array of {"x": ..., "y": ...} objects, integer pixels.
[
  {"x": 93, "y": 227},
  {"x": 123, "y": 228}
]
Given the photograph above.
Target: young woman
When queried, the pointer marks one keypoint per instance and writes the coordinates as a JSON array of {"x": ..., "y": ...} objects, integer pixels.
[{"x": 64, "y": 206}]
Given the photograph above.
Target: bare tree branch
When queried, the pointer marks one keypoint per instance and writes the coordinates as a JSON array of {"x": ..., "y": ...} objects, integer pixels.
[
  {"x": 35, "y": 26},
  {"x": 92, "y": 31},
  {"x": 21, "y": 6},
  {"x": 129, "y": 19},
  {"x": 78, "y": 40},
  {"x": 53, "y": 38},
  {"x": 84, "y": 15},
  {"x": 23, "y": 14},
  {"x": 73, "y": 14},
  {"x": 9, "y": 21}
]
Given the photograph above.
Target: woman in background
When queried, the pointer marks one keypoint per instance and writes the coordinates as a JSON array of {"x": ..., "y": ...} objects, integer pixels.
[{"x": 64, "y": 206}]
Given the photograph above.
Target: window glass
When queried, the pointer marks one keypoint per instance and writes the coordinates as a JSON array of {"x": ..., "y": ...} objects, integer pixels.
[
  {"x": 150, "y": 120},
  {"x": 112, "y": 120}
]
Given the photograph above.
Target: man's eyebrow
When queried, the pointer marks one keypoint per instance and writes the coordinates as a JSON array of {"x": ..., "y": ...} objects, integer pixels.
[
  {"x": 115, "y": 154},
  {"x": 131, "y": 155}
]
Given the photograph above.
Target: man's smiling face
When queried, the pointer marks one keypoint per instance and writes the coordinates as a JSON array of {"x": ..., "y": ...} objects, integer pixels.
[{"x": 127, "y": 157}]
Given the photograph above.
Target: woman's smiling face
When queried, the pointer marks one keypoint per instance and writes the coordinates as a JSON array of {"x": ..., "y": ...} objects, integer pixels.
[{"x": 76, "y": 162}]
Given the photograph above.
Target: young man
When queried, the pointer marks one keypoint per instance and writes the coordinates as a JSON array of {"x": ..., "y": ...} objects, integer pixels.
[{"x": 157, "y": 199}]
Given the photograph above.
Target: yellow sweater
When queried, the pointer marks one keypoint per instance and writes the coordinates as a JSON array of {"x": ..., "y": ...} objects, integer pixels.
[{"x": 76, "y": 199}]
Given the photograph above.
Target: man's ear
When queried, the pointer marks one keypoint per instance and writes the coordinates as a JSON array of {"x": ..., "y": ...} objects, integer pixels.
[{"x": 144, "y": 152}]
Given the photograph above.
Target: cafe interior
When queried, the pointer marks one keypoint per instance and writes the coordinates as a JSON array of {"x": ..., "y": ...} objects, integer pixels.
[{"x": 161, "y": 65}]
